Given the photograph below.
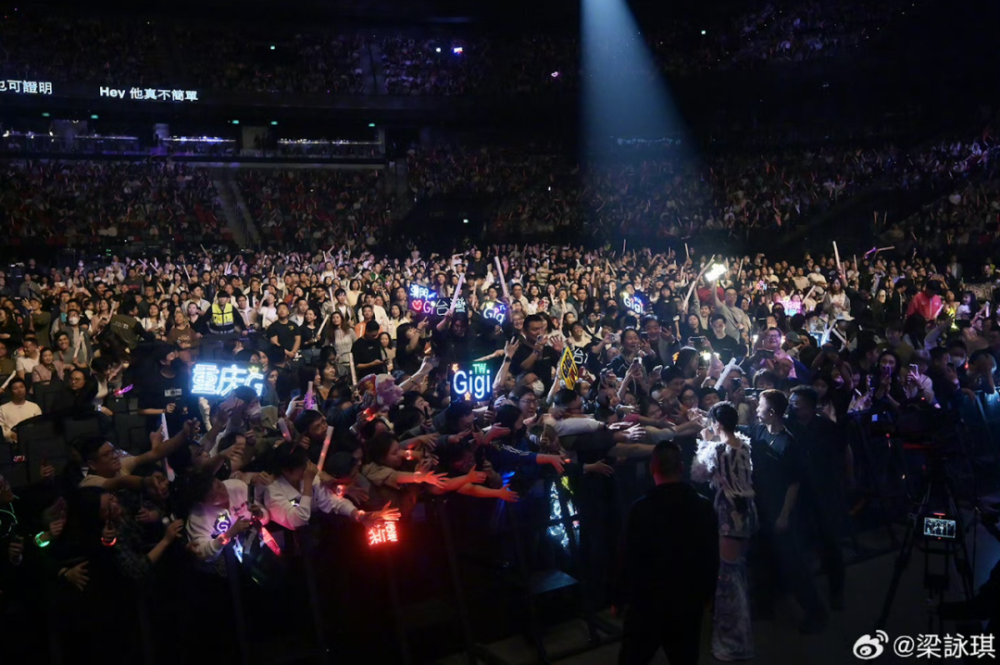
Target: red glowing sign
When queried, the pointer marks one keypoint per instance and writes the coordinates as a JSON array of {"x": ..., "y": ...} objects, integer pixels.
[{"x": 382, "y": 532}]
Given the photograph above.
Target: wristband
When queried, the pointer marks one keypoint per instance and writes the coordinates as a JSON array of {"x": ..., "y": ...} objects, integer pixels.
[
  {"x": 42, "y": 543},
  {"x": 107, "y": 543}
]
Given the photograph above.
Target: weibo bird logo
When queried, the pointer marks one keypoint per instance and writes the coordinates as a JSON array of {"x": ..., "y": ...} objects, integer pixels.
[{"x": 870, "y": 648}]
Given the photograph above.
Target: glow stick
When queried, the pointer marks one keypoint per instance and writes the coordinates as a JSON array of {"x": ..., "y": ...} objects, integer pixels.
[
  {"x": 171, "y": 476},
  {"x": 836, "y": 255},
  {"x": 457, "y": 294},
  {"x": 826, "y": 335},
  {"x": 503, "y": 281},
  {"x": 694, "y": 283},
  {"x": 204, "y": 250},
  {"x": 9, "y": 379},
  {"x": 283, "y": 426},
  {"x": 319, "y": 333},
  {"x": 79, "y": 345},
  {"x": 725, "y": 372},
  {"x": 687, "y": 254},
  {"x": 623, "y": 247},
  {"x": 809, "y": 293},
  {"x": 842, "y": 339},
  {"x": 354, "y": 372},
  {"x": 309, "y": 401},
  {"x": 326, "y": 446}
]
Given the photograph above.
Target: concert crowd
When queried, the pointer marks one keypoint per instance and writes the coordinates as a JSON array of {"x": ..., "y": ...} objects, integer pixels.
[{"x": 740, "y": 374}]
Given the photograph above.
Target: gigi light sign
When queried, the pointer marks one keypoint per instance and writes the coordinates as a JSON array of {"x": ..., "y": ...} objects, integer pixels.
[
  {"x": 423, "y": 300},
  {"x": 471, "y": 383}
]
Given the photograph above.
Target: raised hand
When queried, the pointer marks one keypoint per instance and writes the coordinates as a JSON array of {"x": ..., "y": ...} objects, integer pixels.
[
  {"x": 77, "y": 576},
  {"x": 602, "y": 468},
  {"x": 505, "y": 494},
  {"x": 429, "y": 478},
  {"x": 173, "y": 531}
]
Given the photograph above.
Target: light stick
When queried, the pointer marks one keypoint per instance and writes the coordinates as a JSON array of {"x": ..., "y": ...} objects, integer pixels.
[
  {"x": 326, "y": 446},
  {"x": 78, "y": 346},
  {"x": 322, "y": 325},
  {"x": 725, "y": 372},
  {"x": 836, "y": 255},
  {"x": 623, "y": 247},
  {"x": 171, "y": 476},
  {"x": 457, "y": 294},
  {"x": 354, "y": 373},
  {"x": 283, "y": 426},
  {"x": 503, "y": 280},
  {"x": 9, "y": 379}
]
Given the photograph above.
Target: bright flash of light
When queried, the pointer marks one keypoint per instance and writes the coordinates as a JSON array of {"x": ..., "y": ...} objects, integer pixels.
[{"x": 715, "y": 272}]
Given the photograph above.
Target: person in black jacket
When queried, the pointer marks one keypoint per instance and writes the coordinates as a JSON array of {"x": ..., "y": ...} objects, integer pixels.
[{"x": 670, "y": 562}]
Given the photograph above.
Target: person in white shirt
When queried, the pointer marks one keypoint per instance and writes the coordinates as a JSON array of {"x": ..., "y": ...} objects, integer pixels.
[
  {"x": 220, "y": 512},
  {"x": 17, "y": 410},
  {"x": 297, "y": 488},
  {"x": 111, "y": 469},
  {"x": 248, "y": 313},
  {"x": 29, "y": 358}
]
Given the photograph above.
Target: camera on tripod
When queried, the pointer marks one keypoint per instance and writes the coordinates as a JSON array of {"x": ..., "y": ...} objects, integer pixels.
[{"x": 939, "y": 526}]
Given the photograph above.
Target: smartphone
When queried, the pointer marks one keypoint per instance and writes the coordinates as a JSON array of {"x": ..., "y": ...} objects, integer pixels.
[
  {"x": 766, "y": 353},
  {"x": 914, "y": 369}
]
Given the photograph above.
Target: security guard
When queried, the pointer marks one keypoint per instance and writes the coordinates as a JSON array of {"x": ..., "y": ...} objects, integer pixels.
[{"x": 224, "y": 319}]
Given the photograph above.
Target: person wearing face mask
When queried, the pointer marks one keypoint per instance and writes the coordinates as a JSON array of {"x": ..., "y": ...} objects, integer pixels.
[
  {"x": 79, "y": 337},
  {"x": 167, "y": 391}
]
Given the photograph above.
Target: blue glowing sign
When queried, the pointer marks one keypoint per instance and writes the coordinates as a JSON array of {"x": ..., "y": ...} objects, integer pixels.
[
  {"x": 423, "y": 300},
  {"x": 220, "y": 379},
  {"x": 636, "y": 302},
  {"x": 495, "y": 311},
  {"x": 443, "y": 304},
  {"x": 473, "y": 382}
]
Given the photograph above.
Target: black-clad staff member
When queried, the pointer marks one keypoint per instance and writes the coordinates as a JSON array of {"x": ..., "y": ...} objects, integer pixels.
[
  {"x": 669, "y": 566},
  {"x": 779, "y": 469},
  {"x": 285, "y": 333}
]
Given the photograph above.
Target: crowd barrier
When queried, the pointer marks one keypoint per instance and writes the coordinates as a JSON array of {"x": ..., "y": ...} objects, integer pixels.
[{"x": 544, "y": 559}]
